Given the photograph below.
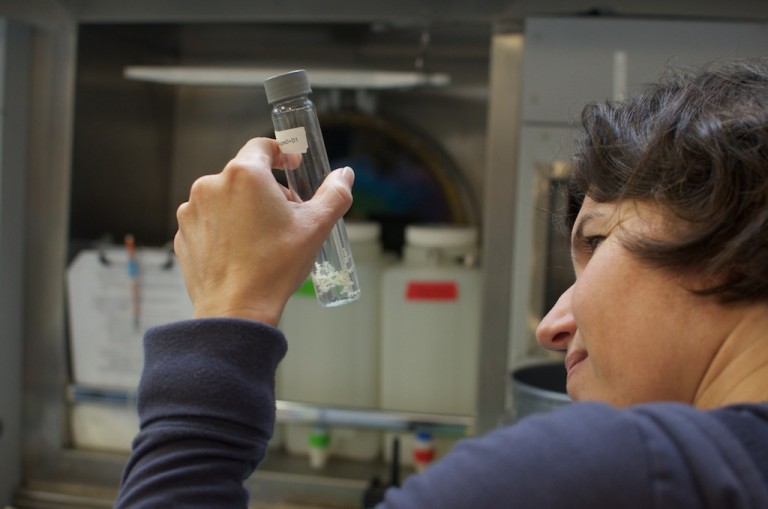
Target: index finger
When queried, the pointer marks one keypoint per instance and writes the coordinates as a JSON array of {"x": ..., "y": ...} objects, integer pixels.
[
  {"x": 260, "y": 152},
  {"x": 269, "y": 153}
]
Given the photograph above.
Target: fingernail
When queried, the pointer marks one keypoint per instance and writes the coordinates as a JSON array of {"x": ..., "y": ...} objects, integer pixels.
[{"x": 349, "y": 175}]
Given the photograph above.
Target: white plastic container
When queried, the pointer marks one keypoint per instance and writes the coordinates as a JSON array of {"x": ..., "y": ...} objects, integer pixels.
[
  {"x": 333, "y": 352},
  {"x": 431, "y": 325}
]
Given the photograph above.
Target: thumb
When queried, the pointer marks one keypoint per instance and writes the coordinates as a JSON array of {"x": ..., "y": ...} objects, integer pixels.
[{"x": 334, "y": 196}]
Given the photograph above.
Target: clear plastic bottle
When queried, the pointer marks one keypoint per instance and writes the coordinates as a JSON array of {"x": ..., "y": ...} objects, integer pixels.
[{"x": 297, "y": 130}]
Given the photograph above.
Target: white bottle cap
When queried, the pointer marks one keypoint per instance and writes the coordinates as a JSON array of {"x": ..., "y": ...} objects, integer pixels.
[{"x": 440, "y": 235}]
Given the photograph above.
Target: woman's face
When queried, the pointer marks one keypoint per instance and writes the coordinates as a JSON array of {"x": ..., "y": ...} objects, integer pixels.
[{"x": 631, "y": 332}]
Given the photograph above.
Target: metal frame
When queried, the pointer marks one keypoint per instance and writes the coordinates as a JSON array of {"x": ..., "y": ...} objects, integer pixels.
[
  {"x": 48, "y": 171},
  {"x": 498, "y": 218},
  {"x": 14, "y": 101}
]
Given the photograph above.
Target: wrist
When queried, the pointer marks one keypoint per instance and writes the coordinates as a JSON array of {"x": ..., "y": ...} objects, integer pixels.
[{"x": 268, "y": 314}]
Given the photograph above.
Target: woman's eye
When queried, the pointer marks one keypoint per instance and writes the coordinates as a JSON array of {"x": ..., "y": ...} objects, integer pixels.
[{"x": 592, "y": 242}]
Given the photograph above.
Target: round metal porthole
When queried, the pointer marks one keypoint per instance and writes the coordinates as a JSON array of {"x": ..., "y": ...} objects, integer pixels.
[{"x": 402, "y": 176}]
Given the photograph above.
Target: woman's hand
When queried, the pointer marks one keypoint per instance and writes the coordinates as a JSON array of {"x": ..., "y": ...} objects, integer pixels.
[{"x": 244, "y": 244}]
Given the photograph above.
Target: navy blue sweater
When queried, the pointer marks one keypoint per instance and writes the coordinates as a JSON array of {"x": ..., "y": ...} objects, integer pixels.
[{"x": 207, "y": 409}]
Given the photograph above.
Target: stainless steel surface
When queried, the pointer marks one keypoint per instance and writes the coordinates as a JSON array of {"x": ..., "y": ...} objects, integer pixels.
[
  {"x": 14, "y": 112},
  {"x": 45, "y": 341},
  {"x": 51, "y": 469},
  {"x": 559, "y": 275},
  {"x": 82, "y": 479},
  {"x": 457, "y": 426},
  {"x": 60, "y": 496},
  {"x": 550, "y": 269},
  {"x": 537, "y": 388},
  {"x": 541, "y": 149},
  {"x": 440, "y": 425},
  {"x": 298, "y": 10},
  {"x": 51, "y": 93},
  {"x": 401, "y": 10},
  {"x": 498, "y": 217}
]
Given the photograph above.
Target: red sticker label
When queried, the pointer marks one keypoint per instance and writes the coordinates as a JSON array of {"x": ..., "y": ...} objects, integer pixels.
[{"x": 432, "y": 290}]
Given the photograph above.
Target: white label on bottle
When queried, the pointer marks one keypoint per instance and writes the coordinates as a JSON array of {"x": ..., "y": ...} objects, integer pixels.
[{"x": 292, "y": 141}]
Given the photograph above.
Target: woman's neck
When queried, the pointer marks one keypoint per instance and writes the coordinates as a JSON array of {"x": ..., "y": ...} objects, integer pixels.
[{"x": 738, "y": 372}]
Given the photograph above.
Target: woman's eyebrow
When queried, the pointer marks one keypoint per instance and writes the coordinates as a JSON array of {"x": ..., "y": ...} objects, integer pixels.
[{"x": 578, "y": 232}]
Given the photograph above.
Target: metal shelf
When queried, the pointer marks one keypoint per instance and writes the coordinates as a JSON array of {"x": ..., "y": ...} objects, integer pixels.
[
  {"x": 384, "y": 420},
  {"x": 455, "y": 426}
]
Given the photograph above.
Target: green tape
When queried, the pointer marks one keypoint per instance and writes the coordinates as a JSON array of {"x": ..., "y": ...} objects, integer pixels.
[{"x": 307, "y": 289}]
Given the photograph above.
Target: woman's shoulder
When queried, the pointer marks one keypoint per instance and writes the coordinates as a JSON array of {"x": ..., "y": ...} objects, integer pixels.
[
  {"x": 682, "y": 425},
  {"x": 595, "y": 455},
  {"x": 673, "y": 453}
]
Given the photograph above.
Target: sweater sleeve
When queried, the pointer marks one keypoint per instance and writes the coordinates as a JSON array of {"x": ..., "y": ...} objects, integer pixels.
[{"x": 207, "y": 409}]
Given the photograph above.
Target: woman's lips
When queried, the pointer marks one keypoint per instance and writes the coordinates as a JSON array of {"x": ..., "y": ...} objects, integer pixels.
[{"x": 573, "y": 359}]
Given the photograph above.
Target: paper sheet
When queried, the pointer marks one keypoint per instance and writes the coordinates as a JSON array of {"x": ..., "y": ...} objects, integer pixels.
[{"x": 105, "y": 340}]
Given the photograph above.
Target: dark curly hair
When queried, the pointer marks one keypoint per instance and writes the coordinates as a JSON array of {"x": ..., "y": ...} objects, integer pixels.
[{"x": 695, "y": 143}]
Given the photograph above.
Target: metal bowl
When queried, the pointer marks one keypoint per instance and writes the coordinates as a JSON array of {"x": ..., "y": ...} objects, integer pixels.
[{"x": 537, "y": 388}]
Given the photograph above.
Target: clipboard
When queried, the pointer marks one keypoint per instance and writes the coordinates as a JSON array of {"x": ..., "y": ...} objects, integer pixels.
[{"x": 106, "y": 339}]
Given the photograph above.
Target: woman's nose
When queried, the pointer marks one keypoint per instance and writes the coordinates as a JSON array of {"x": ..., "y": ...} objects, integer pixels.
[{"x": 557, "y": 328}]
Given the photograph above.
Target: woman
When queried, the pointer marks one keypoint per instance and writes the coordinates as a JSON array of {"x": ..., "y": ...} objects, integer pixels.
[
  {"x": 663, "y": 328},
  {"x": 670, "y": 246}
]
